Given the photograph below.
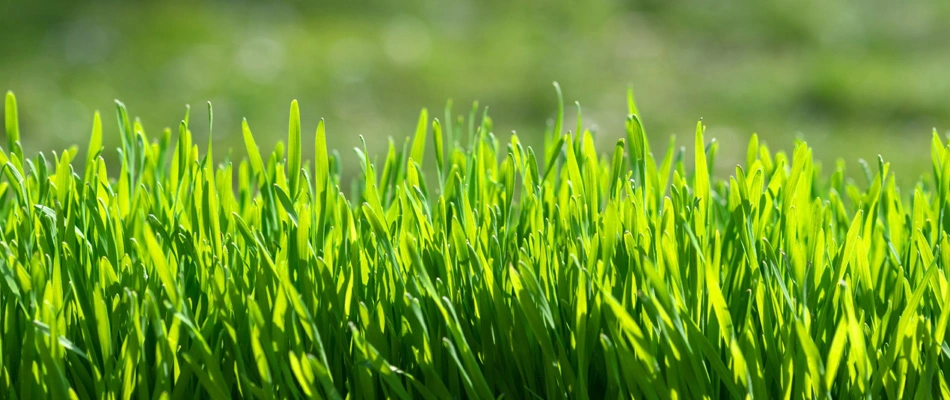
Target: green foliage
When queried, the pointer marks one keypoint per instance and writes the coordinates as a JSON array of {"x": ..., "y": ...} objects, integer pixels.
[{"x": 587, "y": 276}]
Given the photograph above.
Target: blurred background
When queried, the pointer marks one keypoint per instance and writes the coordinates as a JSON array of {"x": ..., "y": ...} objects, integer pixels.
[{"x": 854, "y": 78}]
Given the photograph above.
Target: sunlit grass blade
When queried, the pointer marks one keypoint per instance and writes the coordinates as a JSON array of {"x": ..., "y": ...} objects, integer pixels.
[
  {"x": 293, "y": 149},
  {"x": 12, "y": 125}
]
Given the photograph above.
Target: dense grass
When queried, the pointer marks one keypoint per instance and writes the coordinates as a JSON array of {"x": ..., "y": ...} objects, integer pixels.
[{"x": 501, "y": 272}]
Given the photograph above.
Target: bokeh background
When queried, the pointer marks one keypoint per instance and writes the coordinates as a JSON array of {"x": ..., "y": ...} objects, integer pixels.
[{"x": 854, "y": 78}]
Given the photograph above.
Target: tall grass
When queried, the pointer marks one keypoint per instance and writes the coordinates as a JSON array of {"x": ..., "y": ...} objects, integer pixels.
[{"x": 505, "y": 272}]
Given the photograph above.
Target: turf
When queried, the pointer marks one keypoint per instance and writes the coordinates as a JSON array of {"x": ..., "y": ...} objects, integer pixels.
[{"x": 495, "y": 271}]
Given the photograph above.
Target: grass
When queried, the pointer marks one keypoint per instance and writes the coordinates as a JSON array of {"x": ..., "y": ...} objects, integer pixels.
[{"x": 501, "y": 272}]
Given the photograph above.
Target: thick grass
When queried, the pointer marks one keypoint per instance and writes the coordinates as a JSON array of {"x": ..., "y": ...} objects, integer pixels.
[{"x": 502, "y": 272}]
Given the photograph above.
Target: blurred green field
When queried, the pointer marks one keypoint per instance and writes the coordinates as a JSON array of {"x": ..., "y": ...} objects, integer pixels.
[{"x": 853, "y": 78}]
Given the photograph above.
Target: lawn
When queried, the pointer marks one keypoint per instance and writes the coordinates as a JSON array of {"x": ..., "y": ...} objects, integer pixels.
[{"x": 465, "y": 264}]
